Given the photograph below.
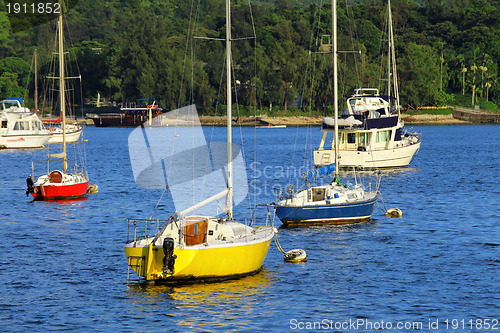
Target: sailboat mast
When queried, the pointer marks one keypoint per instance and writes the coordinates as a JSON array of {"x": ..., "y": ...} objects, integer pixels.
[
  {"x": 36, "y": 82},
  {"x": 389, "y": 41},
  {"x": 335, "y": 85},
  {"x": 61, "y": 85},
  {"x": 229, "y": 197},
  {"x": 393, "y": 57}
]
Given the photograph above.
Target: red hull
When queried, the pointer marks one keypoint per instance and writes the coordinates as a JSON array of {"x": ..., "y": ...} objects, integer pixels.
[{"x": 60, "y": 192}]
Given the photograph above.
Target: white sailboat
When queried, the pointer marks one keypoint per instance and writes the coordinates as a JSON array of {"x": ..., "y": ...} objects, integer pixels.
[
  {"x": 198, "y": 247},
  {"x": 334, "y": 203},
  {"x": 72, "y": 132},
  {"x": 67, "y": 183},
  {"x": 371, "y": 133}
]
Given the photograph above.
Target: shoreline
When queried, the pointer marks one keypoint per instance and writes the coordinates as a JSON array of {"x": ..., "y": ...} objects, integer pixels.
[{"x": 421, "y": 119}]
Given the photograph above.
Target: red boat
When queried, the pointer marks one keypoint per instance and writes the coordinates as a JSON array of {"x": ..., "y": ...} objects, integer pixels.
[{"x": 58, "y": 185}]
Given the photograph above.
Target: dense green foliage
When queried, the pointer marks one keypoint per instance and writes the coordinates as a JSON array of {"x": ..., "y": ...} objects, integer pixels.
[{"x": 128, "y": 49}]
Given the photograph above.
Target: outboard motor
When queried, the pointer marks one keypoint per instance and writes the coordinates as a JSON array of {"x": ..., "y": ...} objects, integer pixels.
[
  {"x": 169, "y": 258},
  {"x": 29, "y": 183}
]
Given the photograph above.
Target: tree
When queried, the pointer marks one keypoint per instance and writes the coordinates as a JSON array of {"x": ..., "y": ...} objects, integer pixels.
[
  {"x": 13, "y": 77},
  {"x": 419, "y": 80}
]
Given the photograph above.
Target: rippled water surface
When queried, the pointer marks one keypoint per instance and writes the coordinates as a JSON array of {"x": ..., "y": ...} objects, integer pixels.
[{"x": 63, "y": 265}]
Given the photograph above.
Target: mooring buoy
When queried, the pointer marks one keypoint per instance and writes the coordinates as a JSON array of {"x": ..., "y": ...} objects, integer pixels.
[
  {"x": 394, "y": 212},
  {"x": 93, "y": 189},
  {"x": 295, "y": 255}
]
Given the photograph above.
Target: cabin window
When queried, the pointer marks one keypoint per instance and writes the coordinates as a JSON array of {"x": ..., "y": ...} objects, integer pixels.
[
  {"x": 382, "y": 136},
  {"x": 351, "y": 137},
  {"x": 17, "y": 127},
  {"x": 36, "y": 125},
  {"x": 318, "y": 194},
  {"x": 341, "y": 140},
  {"x": 4, "y": 123},
  {"x": 363, "y": 138}
]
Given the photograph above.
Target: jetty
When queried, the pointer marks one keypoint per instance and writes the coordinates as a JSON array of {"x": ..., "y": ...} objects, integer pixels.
[{"x": 475, "y": 115}]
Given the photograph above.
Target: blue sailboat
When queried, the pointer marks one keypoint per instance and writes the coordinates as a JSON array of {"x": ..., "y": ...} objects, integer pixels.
[{"x": 334, "y": 203}]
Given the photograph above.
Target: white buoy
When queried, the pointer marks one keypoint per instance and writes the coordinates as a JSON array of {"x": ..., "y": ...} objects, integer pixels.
[
  {"x": 295, "y": 255},
  {"x": 394, "y": 212}
]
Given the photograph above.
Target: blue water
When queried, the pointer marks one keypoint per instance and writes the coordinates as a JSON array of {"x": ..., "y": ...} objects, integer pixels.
[{"x": 62, "y": 265}]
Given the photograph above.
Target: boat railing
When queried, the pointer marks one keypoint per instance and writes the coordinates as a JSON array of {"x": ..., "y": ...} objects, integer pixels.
[
  {"x": 143, "y": 228},
  {"x": 417, "y": 135},
  {"x": 148, "y": 227},
  {"x": 270, "y": 216}
]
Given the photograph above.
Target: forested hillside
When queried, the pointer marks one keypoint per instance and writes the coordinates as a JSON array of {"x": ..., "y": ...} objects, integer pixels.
[{"x": 129, "y": 49}]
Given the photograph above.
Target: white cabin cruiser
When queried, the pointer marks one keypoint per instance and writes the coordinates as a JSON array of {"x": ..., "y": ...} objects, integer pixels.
[
  {"x": 19, "y": 127},
  {"x": 371, "y": 135}
]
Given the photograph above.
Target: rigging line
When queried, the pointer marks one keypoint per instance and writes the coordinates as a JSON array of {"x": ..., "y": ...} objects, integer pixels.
[
  {"x": 185, "y": 54},
  {"x": 308, "y": 60},
  {"x": 354, "y": 37},
  {"x": 252, "y": 19},
  {"x": 32, "y": 65},
  {"x": 158, "y": 202},
  {"x": 382, "y": 72},
  {"x": 191, "y": 93},
  {"x": 242, "y": 151},
  {"x": 293, "y": 154},
  {"x": 255, "y": 106}
]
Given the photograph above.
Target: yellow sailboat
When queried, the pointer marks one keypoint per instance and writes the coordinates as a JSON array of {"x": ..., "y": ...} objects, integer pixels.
[{"x": 202, "y": 248}]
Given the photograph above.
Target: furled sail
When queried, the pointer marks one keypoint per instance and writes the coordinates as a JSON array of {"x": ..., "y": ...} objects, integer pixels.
[{"x": 323, "y": 171}]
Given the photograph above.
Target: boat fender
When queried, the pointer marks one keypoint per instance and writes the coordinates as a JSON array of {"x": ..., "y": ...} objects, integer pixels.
[
  {"x": 169, "y": 258},
  {"x": 295, "y": 255},
  {"x": 29, "y": 183},
  {"x": 394, "y": 212}
]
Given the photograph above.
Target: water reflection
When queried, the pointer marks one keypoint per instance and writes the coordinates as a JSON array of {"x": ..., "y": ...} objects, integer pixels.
[
  {"x": 208, "y": 293},
  {"x": 228, "y": 304}
]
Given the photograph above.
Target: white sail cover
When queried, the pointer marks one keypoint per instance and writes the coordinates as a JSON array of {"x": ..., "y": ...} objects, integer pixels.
[
  {"x": 349, "y": 121},
  {"x": 58, "y": 155}
]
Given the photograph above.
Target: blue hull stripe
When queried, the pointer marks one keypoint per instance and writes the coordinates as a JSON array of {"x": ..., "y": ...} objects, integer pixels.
[{"x": 343, "y": 213}]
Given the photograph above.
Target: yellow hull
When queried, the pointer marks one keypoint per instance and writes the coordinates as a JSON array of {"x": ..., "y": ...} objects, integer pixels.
[{"x": 199, "y": 262}]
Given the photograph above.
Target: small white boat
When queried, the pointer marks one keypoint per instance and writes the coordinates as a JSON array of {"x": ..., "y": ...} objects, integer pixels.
[
  {"x": 73, "y": 133},
  {"x": 19, "y": 127}
]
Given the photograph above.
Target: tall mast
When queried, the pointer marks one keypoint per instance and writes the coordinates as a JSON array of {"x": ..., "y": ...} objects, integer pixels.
[
  {"x": 389, "y": 41},
  {"x": 61, "y": 85},
  {"x": 229, "y": 196},
  {"x": 36, "y": 82},
  {"x": 335, "y": 85},
  {"x": 393, "y": 58}
]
